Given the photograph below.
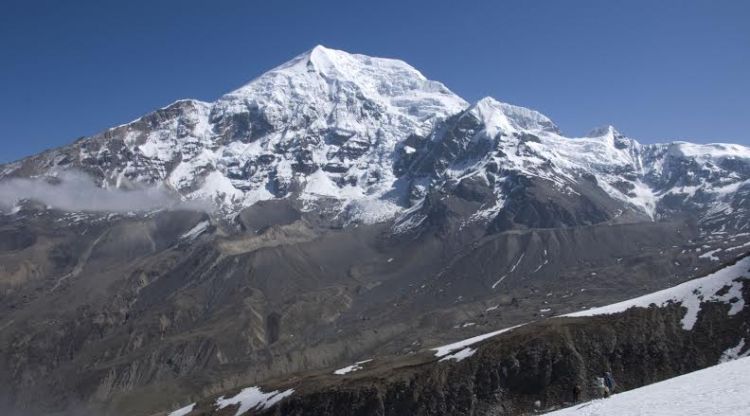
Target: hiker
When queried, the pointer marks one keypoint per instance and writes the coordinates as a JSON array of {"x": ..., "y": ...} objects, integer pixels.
[
  {"x": 609, "y": 381},
  {"x": 600, "y": 388}
]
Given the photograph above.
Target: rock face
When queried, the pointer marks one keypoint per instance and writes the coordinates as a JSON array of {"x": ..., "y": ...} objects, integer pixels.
[
  {"x": 335, "y": 208},
  {"x": 507, "y": 377},
  {"x": 540, "y": 362}
]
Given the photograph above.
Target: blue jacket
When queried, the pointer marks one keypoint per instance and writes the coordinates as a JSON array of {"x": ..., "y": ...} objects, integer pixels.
[{"x": 610, "y": 382}]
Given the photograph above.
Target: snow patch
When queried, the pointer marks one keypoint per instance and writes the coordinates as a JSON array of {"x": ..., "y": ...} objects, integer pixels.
[
  {"x": 512, "y": 269},
  {"x": 690, "y": 295},
  {"x": 460, "y": 355},
  {"x": 253, "y": 398},
  {"x": 710, "y": 255},
  {"x": 500, "y": 280},
  {"x": 447, "y": 349},
  {"x": 734, "y": 352},
  {"x": 183, "y": 410},
  {"x": 352, "y": 368},
  {"x": 196, "y": 231},
  {"x": 711, "y": 151}
]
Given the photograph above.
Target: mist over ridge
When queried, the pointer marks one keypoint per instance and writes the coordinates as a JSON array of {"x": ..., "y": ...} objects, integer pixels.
[{"x": 72, "y": 190}]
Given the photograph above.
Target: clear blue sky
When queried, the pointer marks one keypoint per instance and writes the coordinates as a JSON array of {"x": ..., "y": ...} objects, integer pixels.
[{"x": 657, "y": 70}]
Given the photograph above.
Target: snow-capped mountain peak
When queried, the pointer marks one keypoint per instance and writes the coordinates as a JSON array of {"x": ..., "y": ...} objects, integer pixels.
[
  {"x": 498, "y": 116},
  {"x": 711, "y": 151},
  {"x": 609, "y": 135},
  {"x": 366, "y": 139},
  {"x": 323, "y": 59},
  {"x": 343, "y": 88},
  {"x": 604, "y": 131},
  {"x": 326, "y": 124}
]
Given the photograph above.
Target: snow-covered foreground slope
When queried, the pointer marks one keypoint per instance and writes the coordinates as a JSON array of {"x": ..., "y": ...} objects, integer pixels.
[{"x": 720, "y": 390}]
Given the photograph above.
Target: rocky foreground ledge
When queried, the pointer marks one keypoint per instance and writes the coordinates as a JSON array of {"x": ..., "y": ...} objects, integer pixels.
[{"x": 686, "y": 328}]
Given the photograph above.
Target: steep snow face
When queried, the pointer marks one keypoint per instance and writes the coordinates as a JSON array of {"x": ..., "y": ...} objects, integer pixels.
[
  {"x": 323, "y": 126},
  {"x": 659, "y": 178},
  {"x": 719, "y": 390},
  {"x": 497, "y": 142},
  {"x": 715, "y": 177},
  {"x": 710, "y": 153},
  {"x": 502, "y": 117},
  {"x": 330, "y": 89}
]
